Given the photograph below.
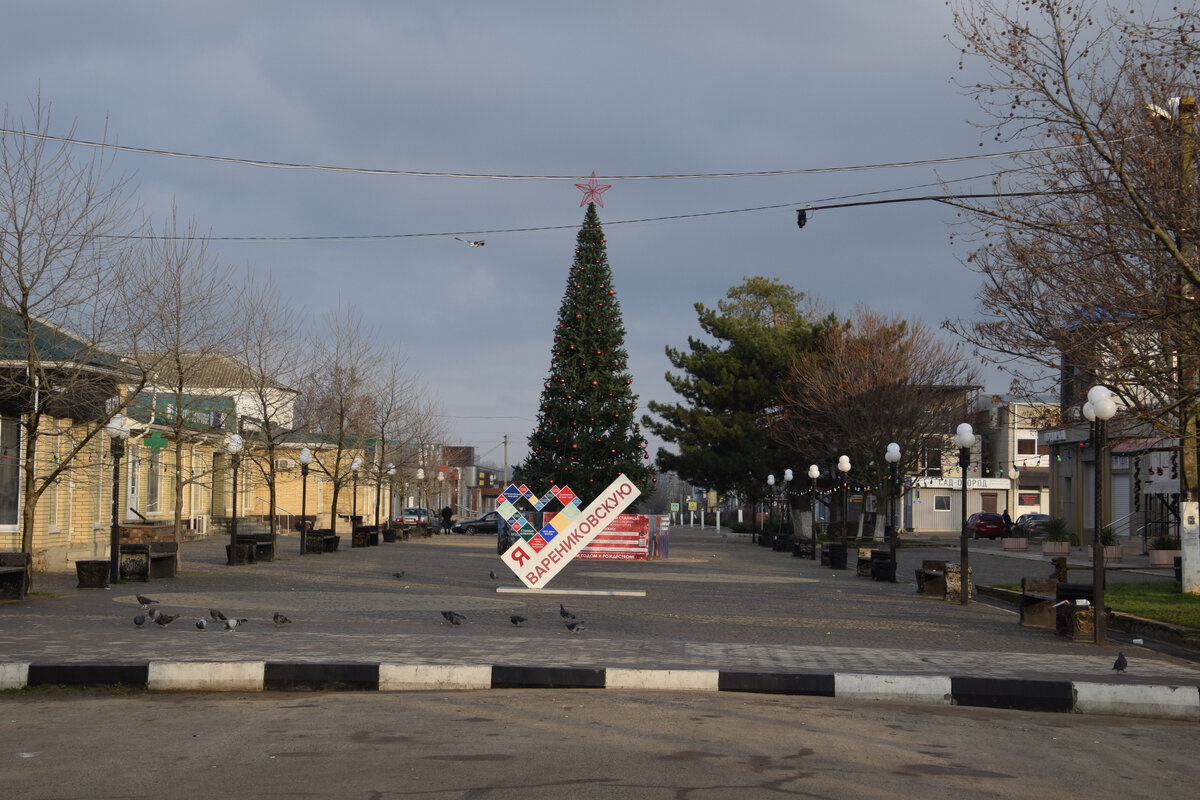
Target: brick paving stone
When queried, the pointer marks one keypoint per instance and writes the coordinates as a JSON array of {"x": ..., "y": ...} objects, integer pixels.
[{"x": 719, "y": 602}]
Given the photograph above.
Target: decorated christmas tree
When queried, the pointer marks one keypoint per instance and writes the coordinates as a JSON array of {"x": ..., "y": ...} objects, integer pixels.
[{"x": 587, "y": 431}]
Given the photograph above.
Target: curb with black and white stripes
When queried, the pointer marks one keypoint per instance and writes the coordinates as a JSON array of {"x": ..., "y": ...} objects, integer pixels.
[{"x": 1136, "y": 700}]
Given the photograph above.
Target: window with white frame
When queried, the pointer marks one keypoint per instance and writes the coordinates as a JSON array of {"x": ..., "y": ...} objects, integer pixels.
[{"x": 941, "y": 502}]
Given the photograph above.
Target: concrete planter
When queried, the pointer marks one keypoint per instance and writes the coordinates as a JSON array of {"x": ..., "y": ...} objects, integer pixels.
[
  {"x": 1111, "y": 553},
  {"x": 1056, "y": 548},
  {"x": 1015, "y": 544},
  {"x": 1164, "y": 558}
]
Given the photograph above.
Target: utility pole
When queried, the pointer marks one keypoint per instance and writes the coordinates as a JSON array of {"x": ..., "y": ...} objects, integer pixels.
[{"x": 505, "y": 460}]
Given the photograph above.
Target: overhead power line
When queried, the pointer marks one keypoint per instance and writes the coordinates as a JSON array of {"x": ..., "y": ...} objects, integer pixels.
[{"x": 268, "y": 164}]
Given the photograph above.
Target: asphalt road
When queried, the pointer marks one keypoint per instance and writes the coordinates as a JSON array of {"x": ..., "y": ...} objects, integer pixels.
[{"x": 579, "y": 744}]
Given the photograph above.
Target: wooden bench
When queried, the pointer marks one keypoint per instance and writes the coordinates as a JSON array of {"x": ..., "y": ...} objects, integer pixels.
[
  {"x": 931, "y": 579},
  {"x": 14, "y": 584}
]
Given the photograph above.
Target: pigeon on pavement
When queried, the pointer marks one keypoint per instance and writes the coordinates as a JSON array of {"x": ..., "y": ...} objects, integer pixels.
[
  {"x": 165, "y": 619},
  {"x": 139, "y": 620},
  {"x": 492, "y": 575},
  {"x": 202, "y": 624},
  {"x": 234, "y": 624},
  {"x": 562, "y": 612},
  {"x": 217, "y": 615},
  {"x": 575, "y": 627},
  {"x": 453, "y": 617},
  {"x": 145, "y": 601},
  {"x": 280, "y": 620},
  {"x": 152, "y": 613},
  {"x": 1121, "y": 663},
  {"x": 398, "y": 575},
  {"x": 516, "y": 620}
]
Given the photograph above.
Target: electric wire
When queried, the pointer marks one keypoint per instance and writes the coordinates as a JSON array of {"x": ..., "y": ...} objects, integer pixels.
[{"x": 287, "y": 165}]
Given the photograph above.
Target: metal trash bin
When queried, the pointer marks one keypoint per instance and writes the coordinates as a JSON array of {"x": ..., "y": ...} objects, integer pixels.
[{"x": 882, "y": 568}]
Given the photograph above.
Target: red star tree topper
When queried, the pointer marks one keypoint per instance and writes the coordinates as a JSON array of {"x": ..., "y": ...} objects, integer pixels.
[{"x": 592, "y": 190}]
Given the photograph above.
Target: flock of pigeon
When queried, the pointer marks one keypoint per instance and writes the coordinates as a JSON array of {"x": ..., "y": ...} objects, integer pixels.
[
  {"x": 215, "y": 618},
  {"x": 573, "y": 625}
]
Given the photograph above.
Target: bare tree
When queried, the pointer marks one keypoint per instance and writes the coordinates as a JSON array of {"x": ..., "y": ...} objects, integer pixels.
[
  {"x": 392, "y": 394},
  {"x": 336, "y": 406},
  {"x": 185, "y": 296},
  {"x": 271, "y": 354},
  {"x": 1092, "y": 268},
  {"x": 62, "y": 253},
  {"x": 876, "y": 381}
]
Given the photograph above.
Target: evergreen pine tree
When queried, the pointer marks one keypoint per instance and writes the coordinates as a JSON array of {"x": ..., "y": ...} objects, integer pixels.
[{"x": 587, "y": 431}]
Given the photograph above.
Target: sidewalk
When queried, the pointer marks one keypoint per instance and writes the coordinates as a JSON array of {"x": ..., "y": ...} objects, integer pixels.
[{"x": 719, "y": 613}]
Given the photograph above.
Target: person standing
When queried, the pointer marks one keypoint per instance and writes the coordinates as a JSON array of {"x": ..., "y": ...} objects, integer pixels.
[
  {"x": 1007, "y": 523},
  {"x": 446, "y": 515}
]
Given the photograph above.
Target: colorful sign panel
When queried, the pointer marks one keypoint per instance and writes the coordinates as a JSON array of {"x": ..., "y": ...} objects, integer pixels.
[
  {"x": 627, "y": 538},
  {"x": 538, "y": 558}
]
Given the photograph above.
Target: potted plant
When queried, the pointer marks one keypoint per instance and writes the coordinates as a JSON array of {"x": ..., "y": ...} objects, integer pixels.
[
  {"x": 1112, "y": 548},
  {"x": 1057, "y": 539},
  {"x": 1163, "y": 550},
  {"x": 1014, "y": 541}
]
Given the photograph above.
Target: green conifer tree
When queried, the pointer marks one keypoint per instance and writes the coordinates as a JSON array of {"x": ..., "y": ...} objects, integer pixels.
[{"x": 587, "y": 431}]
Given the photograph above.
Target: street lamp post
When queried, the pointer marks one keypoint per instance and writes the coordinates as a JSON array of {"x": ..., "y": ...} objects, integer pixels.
[
  {"x": 843, "y": 466},
  {"x": 305, "y": 460},
  {"x": 786, "y": 505},
  {"x": 118, "y": 431},
  {"x": 420, "y": 485},
  {"x": 770, "y": 505},
  {"x": 234, "y": 447},
  {"x": 1099, "y": 409},
  {"x": 892, "y": 456},
  {"x": 441, "y": 479},
  {"x": 391, "y": 504},
  {"x": 814, "y": 472},
  {"x": 964, "y": 437},
  {"x": 355, "y": 466}
]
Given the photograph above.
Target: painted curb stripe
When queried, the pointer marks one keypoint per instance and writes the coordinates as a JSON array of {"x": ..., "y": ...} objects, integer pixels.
[
  {"x": 346, "y": 676},
  {"x": 777, "y": 683},
  {"x": 510, "y": 677},
  {"x": 903, "y": 688},
  {"x": 136, "y": 675},
  {"x": 1013, "y": 693},
  {"x": 704, "y": 680},
  {"x": 416, "y": 677},
  {"x": 206, "y": 676},
  {"x": 1158, "y": 702},
  {"x": 1130, "y": 700}
]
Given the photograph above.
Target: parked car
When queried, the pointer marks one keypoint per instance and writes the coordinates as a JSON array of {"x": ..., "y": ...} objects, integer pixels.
[
  {"x": 1031, "y": 524},
  {"x": 489, "y": 522},
  {"x": 984, "y": 523},
  {"x": 411, "y": 516}
]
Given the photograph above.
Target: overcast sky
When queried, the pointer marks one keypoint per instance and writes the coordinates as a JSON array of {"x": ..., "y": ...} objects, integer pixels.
[{"x": 525, "y": 88}]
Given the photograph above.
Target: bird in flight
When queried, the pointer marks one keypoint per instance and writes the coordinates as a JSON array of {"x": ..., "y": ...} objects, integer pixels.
[{"x": 470, "y": 243}]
